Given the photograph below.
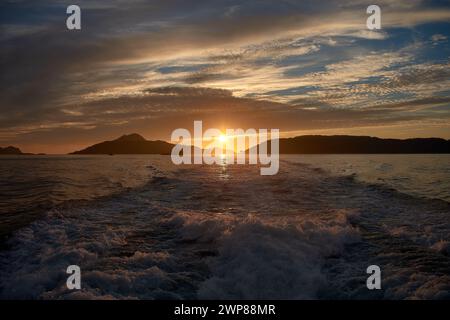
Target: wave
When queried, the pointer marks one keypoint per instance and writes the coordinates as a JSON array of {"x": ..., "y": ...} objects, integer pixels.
[
  {"x": 209, "y": 232},
  {"x": 195, "y": 255}
]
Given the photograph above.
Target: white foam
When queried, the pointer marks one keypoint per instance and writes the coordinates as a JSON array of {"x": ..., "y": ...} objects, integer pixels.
[{"x": 232, "y": 235}]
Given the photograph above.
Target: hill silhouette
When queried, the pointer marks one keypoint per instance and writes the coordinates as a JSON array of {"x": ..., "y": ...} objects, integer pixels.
[
  {"x": 309, "y": 144},
  {"x": 10, "y": 150},
  {"x": 128, "y": 144},
  {"x": 316, "y": 144}
]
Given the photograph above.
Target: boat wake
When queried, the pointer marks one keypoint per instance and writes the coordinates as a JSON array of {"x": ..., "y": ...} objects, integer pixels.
[{"x": 227, "y": 233}]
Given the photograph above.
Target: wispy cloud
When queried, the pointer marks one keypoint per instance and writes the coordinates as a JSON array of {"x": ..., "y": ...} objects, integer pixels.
[{"x": 292, "y": 64}]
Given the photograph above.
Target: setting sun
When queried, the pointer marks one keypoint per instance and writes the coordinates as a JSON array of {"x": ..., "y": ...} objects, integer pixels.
[
  {"x": 222, "y": 138},
  {"x": 237, "y": 155}
]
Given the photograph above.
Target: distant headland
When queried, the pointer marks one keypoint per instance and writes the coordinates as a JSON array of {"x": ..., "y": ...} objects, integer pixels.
[
  {"x": 10, "y": 150},
  {"x": 13, "y": 151},
  {"x": 308, "y": 144},
  {"x": 128, "y": 144},
  {"x": 342, "y": 144}
]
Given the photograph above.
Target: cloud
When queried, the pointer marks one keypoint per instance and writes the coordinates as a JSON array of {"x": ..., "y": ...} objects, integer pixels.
[
  {"x": 189, "y": 92},
  {"x": 140, "y": 60}
]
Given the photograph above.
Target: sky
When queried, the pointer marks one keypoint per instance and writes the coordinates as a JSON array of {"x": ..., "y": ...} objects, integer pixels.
[{"x": 304, "y": 67}]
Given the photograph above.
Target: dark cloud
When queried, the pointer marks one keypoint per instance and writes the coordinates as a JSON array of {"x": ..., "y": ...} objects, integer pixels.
[
  {"x": 105, "y": 77},
  {"x": 190, "y": 91}
]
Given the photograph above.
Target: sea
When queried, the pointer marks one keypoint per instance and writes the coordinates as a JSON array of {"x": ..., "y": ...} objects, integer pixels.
[{"x": 140, "y": 227}]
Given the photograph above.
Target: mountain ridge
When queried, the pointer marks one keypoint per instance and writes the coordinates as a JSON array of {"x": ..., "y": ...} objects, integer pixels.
[
  {"x": 10, "y": 150},
  {"x": 128, "y": 144},
  {"x": 345, "y": 144},
  {"x": 307, "y": 144}
]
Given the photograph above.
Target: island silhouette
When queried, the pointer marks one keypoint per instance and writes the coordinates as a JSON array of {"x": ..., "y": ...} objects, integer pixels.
[
  {"x": 128, "y": 144},
  {"x": 308, "y": 144},
  {"x": 10, "y": 150},
  {"x": 16, "y": 151},
  {"x": 344, "y": 144}
]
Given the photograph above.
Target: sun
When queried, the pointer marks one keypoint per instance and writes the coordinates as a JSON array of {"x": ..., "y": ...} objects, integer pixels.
[{"x": 222, "y": 138}]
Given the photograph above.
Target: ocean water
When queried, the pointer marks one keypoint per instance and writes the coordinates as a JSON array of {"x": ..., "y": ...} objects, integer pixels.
[{"x": 142, "y": 228}]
